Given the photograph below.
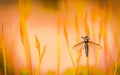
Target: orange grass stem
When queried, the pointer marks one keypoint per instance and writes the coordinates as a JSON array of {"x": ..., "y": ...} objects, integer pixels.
[
  {"x": 3, "y": 50},
  {"x": 105, "y": 49},
  {"x": 37, "y": 44},
  {"x": 117, "y": 45},
  {"x": 40, "y": 55},
  {"x": 43, "y": 53},
  {"x": 116, "y": 65},
  {"x": 86, "y": 25},
  {"x": 26, "y": 45},
  {"x": 66, "y": 37},
  {"x": 105, "y": 46},
  {"x": 77, "y": 28},
  {"x": 77, "y": 40},
  {"x": 99, "y": 39},
  {"x": 66, "y": 5},
  {"x": 58, "y": 41},
  {"x": 37, "y": 72},
  {"x": 87, "y": 63},
  {"x": 25, "y": 7}
]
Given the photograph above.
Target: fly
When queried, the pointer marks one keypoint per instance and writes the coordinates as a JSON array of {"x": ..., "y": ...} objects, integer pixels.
[{"x": 86, "y": 41}]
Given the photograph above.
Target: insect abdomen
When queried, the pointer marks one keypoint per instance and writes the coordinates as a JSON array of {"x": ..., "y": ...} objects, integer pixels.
[{"x": 86, "y": 49}]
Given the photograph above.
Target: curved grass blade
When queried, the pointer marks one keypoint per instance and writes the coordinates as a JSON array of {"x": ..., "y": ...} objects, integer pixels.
[
  {"x": 25, "y": 9},
  {"x": 66, "y": 37},
  {"x": 37, "y": 44},
  {"x": 43, "y": 53},
  {"x": 26, "y": 45}
]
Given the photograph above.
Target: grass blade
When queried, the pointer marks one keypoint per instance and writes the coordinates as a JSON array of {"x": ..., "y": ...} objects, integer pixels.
[
  {"x": 37, "y": 44},
  {"x": 99, "y": 39},
  {"x": 25, "y": 9},
  {"x": 26, "y": 45},
  {"x": 77, "y": 40},
  {"x": 66, "y": 37},
  {"x": 58, "y": 41},
  {"x": 108, "y": 67},
  {"x": 77, "y": 28},
  {"x": 3, "y": 51},
  {"x": 43, "y": 53},
  {"x": 117, "y": 45},
  {"x": 39, "y": 53},
  {"x": 86, "y": 25},
  {"x": 105, "y": 47},
  {"x": 87, "y": 63}
]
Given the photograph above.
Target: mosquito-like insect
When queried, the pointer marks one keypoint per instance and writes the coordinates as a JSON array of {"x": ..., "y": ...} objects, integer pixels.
[{"x": 86, "y": 43}]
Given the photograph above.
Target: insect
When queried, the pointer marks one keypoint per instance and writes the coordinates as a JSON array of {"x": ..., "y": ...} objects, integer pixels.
[{"x": 86, "y": 41}]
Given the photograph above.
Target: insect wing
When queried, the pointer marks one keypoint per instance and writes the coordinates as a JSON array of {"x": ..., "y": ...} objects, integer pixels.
[
  {"x": 94, "y": 45},
  {"x": 78, "y": 46}
]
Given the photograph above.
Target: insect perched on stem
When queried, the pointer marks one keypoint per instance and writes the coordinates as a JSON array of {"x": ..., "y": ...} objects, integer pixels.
[{"x": 86, "y": 43}]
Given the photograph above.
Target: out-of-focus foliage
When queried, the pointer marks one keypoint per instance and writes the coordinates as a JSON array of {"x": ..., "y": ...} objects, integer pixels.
[
  {"x": 9, "y": 68},
  {"x": 69, "y": 71},
  {"x": 91, "y": 71},
  {"x": 24, "y": 71},
  {"x": 50, "y": 72},
  {"x": 53, "y": 4},
  {"x": 118, "y": 70},
  {"x": 1, "y": 62},
  {"x": 84, "y": 71},
  {"x": 6, "y": 3}
]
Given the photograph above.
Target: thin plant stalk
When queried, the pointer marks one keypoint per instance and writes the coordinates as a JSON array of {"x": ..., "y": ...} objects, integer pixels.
[
  {"x": 26, "y": 45},
  {"x": 66, "y": 5},
  {"x": 39, "y": 54},
  {"x": 87, "y": 63},
  {"x": 4, "y": 52},
  {"x": 104, "y": 34},
  {"x": 37, "y": 44},
  {"x": 25, "y": 9},
  {"x": 77, "y": 40},
  {"x": 99, "y": 39},
  {"x": 105, "y": 47},
  {"x": 66, "y": 37},
  {"x": 76, "y": 28},
  {"x": 37, "y": 72},
  {"x": 116, "y": 64},
  {"x": 86, "y": 25},
  {"x": 58, "y": 41},
  {"x": 117, "y": 45},
  {"x": 40, "y": 60},
  {"x": 43, "y": 53},
  {"x": 108, "y": 68}
]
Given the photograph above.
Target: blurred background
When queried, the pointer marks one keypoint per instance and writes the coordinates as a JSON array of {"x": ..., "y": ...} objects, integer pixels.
[{"x": 30, "y": 27}]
